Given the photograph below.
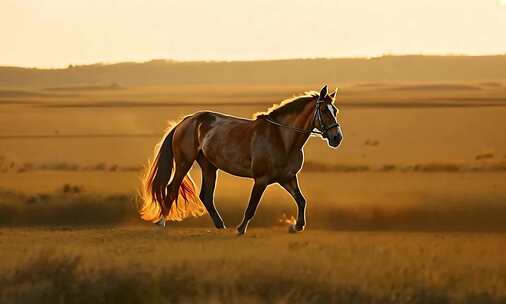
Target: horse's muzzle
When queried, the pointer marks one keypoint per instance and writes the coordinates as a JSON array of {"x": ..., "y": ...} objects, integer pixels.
[{"x": 335, "y": 141}]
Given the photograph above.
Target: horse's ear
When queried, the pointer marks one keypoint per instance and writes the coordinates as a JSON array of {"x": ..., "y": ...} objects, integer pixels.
[
  {"x": 333, "y": 94},
  {"x": 323, "y": 92}
]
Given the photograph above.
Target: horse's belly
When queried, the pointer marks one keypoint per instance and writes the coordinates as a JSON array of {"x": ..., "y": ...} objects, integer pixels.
[
  {"x": 229, "y": 162},
  {"x": 237, "y": 171}
]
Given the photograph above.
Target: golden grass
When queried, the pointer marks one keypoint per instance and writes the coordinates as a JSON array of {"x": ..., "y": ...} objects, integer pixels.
[
  {"x": 147, "y": 265},
  {"x": 337, "y": 201},
  {"x": 396, "y": 215},
  {"x": 309, "y": 166},
  {"x": 380, "y": 126}
]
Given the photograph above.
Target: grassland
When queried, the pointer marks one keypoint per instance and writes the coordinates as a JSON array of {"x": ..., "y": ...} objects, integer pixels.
[
  {"x": 147, "y": 265},
  {"x": 411, "y": 209},
  {"x": 465, "y": 202}
]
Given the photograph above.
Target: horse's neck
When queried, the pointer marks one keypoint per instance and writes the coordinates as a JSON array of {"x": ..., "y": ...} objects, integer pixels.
[{"x": 293, "y": 140}]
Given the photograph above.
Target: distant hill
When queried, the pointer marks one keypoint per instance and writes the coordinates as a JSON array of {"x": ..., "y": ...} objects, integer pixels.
[{"x": 297, "y": 71}]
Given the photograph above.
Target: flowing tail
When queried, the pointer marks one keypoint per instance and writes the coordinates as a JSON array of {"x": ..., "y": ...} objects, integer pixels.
[{"x": 156, "y": 202}]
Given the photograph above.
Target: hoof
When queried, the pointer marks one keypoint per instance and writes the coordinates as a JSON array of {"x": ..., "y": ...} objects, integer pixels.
[
  {"x": 295, "y": 229},
  {"x": 161, "y": 223},
  {"x": 221, "y": 226},
  {"x": 240, "y": 231}
]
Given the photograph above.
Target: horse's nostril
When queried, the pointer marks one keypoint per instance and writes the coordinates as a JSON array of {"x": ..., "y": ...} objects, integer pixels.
[{"x": 337, "y": 139}]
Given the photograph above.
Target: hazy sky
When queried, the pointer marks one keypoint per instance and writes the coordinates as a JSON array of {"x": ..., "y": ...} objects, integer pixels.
[{"x": 55, "y": 33}]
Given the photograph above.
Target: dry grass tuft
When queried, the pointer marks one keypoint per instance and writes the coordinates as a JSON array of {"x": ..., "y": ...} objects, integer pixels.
[
  {"x": 71, "y": 207},
  {"x": 485, "y": 155}
]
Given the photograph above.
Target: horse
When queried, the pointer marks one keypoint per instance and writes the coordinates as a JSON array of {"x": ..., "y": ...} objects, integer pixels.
[{"x": 267, "y": 148}]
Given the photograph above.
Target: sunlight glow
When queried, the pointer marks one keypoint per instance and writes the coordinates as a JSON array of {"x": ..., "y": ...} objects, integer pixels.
[{"x": 56, "y": 33}]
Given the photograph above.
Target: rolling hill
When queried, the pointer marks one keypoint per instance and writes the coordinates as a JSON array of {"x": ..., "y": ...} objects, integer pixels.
[{"x": 275, "y": 72}]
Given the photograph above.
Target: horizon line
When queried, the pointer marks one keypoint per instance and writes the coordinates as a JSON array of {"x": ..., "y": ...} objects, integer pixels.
[{"x": 169, "y": 60}]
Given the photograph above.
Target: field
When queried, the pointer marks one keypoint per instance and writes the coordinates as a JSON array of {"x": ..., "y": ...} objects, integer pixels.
[
  {"x": 411, "y": 208},
  {"x": 146, "y": 265}
]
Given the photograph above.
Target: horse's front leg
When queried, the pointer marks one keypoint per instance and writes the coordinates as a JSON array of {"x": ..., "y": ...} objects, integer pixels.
[
  {"x": 292, "y": 186},
  {"x": 256, "y": 194}
]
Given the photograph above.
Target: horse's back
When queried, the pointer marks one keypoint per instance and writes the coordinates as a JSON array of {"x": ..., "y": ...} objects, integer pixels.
[
  {"x": 209, "y": 116},
  {"x": 225, "y": 141}
]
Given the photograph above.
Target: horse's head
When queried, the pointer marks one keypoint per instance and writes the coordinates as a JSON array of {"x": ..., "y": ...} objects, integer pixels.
[{"x": 326, "y": 117}]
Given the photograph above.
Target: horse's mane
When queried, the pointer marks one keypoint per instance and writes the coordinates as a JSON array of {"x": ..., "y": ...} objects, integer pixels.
[{"x": 288, "y": 105}]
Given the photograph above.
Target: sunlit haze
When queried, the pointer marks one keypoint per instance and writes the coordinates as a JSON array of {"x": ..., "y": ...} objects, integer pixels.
[{"x": 56, "y": 33}]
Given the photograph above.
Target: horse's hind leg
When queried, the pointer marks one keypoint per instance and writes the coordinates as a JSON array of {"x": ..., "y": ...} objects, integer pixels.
[
  {"x": 182, "y": 168},
  {"x": 185, "y": 153},
  {"x": 207, "y": 189}
]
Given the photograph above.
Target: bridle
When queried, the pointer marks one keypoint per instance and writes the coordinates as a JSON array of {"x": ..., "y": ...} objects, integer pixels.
[{"x": 312, "y": 130}]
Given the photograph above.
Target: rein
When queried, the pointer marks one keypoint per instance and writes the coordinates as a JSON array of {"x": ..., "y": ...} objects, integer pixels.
[
  {"x": 303, "y": 131},
  {"x": 317, "y": 114}
]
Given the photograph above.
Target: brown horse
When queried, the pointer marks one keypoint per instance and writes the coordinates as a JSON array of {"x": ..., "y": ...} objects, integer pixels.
[{"x": 267, "y": 149}]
